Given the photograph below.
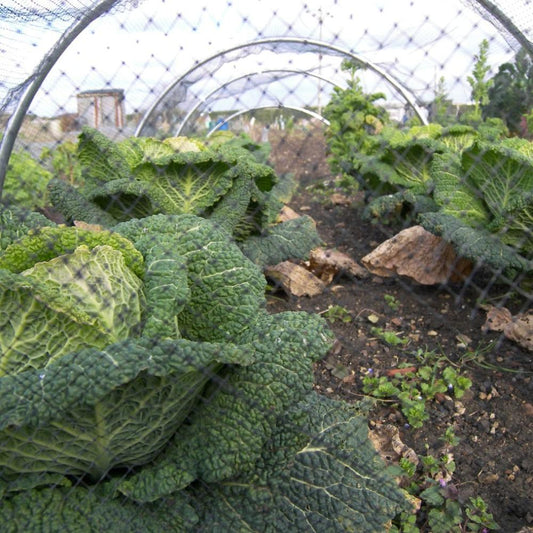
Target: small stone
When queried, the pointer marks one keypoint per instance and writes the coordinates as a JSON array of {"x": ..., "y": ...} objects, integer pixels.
[
  {"x": 528, "y": 408},
  {"x": 463, "y": 340},
  {"x": 489, "y": 477},
  {"x": 373, "y": 318},
  {"x": 459, "y": 408}
]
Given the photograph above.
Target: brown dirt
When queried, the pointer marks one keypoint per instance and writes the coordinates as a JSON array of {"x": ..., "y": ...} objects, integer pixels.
[{"x": 494, "y": 457}]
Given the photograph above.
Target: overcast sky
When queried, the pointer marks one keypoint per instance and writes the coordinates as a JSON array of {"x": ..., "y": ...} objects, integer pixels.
[{"x": 143, "y": 50}]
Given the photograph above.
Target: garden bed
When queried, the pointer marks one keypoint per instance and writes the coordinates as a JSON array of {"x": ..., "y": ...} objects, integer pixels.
[{"x": 491, "y": 425}]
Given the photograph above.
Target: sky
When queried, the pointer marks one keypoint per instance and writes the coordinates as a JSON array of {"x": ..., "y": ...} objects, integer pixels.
[{"x": 145, "y": 49}]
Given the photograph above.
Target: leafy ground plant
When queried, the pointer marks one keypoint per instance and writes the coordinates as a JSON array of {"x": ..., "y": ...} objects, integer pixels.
[
  {"x": 413, "y": 385},
  {"x": 140, "y": 177},
  {"x": 145, "y": 387},
  {"x": 337, "y": 313},
  {"x": 431, "y": 483},
  {"x": 472, "y": 186},
  {"x": 26, "y": 182}
]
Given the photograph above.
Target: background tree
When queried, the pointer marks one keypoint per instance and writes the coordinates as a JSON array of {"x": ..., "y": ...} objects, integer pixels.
[
  {"x": 355, "y": 122},
  {"x": 440, "y": 107},
  {"x": 511, "y": 94},
  {"x": 480, "y": 85}
]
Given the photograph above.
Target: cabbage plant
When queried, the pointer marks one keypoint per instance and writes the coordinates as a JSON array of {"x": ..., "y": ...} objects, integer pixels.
[
  {"x": 140, "y": 177},
  {"x": 91, "y": 338},
  {"x": 145, "y": 387}
]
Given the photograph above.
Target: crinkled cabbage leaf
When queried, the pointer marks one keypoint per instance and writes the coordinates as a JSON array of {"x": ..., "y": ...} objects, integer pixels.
[
  {"x": 93, "y": 410},
  {"x": 77, "y": 300},
  {"x": 226, "y": 289},
  {"x": 316, "y": 472}
]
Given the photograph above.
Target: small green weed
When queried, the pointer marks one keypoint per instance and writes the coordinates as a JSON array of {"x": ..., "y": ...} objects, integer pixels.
[
  {"x": 439, "y": 511},
  {"x": 391, "y": 301},
  {"x": 413, "y": 386},
  {"x": 390, "y": 337},
  {"x": 478, "y": 516},
  {"x": 337, "y": 313}
]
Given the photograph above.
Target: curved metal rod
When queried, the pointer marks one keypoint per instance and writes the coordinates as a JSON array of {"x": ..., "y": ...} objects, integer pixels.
[
  {"x": 206, "y": 98},
  {"x": 295, "y": 40},
  {"x": 281, "y": 106},
  {"x": 49, "y": 60},
  {"x": 507, "y": 23}
]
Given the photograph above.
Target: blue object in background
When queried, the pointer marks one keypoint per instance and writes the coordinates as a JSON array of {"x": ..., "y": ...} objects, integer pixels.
[{"x": 224, "y": 127}]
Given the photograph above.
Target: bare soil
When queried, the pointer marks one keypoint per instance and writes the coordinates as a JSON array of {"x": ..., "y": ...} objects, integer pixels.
[{"x": 493, "y": 420}]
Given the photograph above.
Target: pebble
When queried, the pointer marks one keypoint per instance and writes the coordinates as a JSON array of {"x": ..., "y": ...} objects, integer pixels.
[{"x": 489, "y": 477}]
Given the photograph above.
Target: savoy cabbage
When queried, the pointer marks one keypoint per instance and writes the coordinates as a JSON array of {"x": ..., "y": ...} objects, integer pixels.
[
  {"x": 485, "y": 204},
  {"x": 176, "y": 403},
  {"x": 141, "y": 177},
  {"x": 108, "y": 308},
  {"x": 474, "y": 193}
]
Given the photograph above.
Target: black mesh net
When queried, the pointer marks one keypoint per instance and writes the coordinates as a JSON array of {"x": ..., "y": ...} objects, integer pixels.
[{"x": 266, "y": 266}]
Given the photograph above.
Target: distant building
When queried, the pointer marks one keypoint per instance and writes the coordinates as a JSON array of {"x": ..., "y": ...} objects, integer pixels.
[{"x": 102, "y": 108}]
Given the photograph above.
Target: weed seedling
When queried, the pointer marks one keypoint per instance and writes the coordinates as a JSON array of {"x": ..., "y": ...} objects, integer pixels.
[
  {"x": 391, "y": 301},
  {"x": 390, "y": 337},
  {"x": 338, "y": 313},
  {"x": 412, "y": 387},
  {"x": 439, "y": 511}
]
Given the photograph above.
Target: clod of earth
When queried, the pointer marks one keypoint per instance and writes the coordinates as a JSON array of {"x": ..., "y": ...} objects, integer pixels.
[
  {"x": 327, "y": 263},
  {"x": 294, "y": 279},
  {"x": 518, "y": 328},
  {"x": 419, "y": 255}
]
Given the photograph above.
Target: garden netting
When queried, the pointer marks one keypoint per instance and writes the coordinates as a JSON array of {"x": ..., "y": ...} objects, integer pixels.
[{"x": 266, "y": 266}]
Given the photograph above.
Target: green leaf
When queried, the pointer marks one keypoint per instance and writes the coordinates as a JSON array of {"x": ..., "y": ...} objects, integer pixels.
[
  {"x": 86, "y": 510},
  {"x": 230, "y": 211},
  {"x": 318, "y": 472},
  {"x": 503, "y": 175},
  {"x": 458, "y": 137},
  {"x": 102, "y": 160},
  {"x": 138, "y": 150},
  {"x": 37, "y": 325},
  {"x": 165, "y": 285},
  {"x": 226, "y": 288},
  {"x": 432, "y": 496},
  {"x": 192, "y": 182},
  {"x": 125, "y": 198},
  {"x": 46, "y": 243},
  {"x": 411, "y": 161},
  {"x": 25, "y": 182},
  {"x": 475, "y": 244},
  {"x": 241, "y": 408},
  {"x": 16, "y": 222},
  {"x": 98, "y": 284},
  {"x": 455, "y": 195},
  {"x": 73, "y": 205},
  {"x": 291, "y": 239},
  {"x": 446, "y": 520},
  {"x": 93, "y": 410}
]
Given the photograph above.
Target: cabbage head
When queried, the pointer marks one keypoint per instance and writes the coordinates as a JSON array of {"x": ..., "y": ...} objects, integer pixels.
[
  {"x": 107, "y": 343},
  {"x": 146, "y": 388},
  {"x": 87, "y": 298}
]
